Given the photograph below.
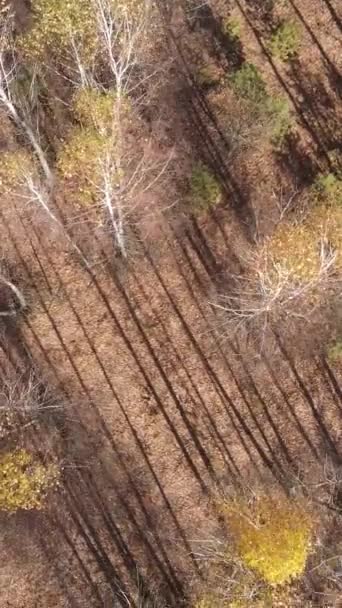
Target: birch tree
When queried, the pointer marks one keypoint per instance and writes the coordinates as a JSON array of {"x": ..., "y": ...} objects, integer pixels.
[
  {"x": 110, "y": 163},
  {"x": 118, "y": 170},
  {"x": 21, "y": 179},
  {"x": 9, "y": 67},
  {"x": 125, "y": 172}
]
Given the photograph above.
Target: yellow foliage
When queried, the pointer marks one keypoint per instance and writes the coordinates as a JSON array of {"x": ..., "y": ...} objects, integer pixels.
[
  {"x": 210, "y": 601},
  {"x": 327, "y": 220},
  {"x": 57, "y": 22},
  {"x": 24, "y": 483},
  {"x": 14, "y": 166},
  {"x": 132, "y": 8},
  {"x": 296, "y": 249},
  {"x": 248, "y": 594},
  {"x": 272, "y": 537},
  {"x": 102, "y": 111},
  {"x": 95, "y": 109},
  {"x": 81, "y": 152},
  {"x": 328, "y": 189},
  {"x": 82, "y": 161}
]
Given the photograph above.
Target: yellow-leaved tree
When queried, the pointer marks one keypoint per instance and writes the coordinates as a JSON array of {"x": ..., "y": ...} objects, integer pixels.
[
  {"x": 109, "y": 162},
  {"x": 66, "y": 27},
  {"x": 296, "y": 270},
  {"x": 272, "y": 537}
]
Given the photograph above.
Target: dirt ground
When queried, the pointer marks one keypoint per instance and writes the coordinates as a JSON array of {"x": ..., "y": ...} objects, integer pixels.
[{"x": 162, "y": 408}]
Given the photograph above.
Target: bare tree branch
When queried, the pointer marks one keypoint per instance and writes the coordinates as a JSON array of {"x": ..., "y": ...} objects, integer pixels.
[
  {"x": 8, "y": 74},
  {"x": 19, "y": 296}
]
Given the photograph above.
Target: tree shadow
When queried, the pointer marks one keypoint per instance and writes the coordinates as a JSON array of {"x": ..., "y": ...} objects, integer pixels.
[
  {"x": 319, "y": 105},
  {"x": 243, "y": 426},
  {"x": 328, "y": 370},
  {"x": 277, "y": 383},
  {"x": 327, "y": 436},
  {"x": 103, "y": 508},
  {"x": 261, "y": 12},
  {"x": 107, "y": 435},
  {"x": 163, "y": 336},
  {"x": 297, "y": 106},
  {"x": 335, "y": 80},
  {"x": 295, "y": 161},
  {"x": 326, "y": 59},
  {"x": 213, "y": 149},
  {"x": 119, "y": 545},
  {"x": 334, "y": 14},
  {"x": 201, "y": 246},
  {"x": 224, "y": 43},
  {"x": 208, "y": 141}
]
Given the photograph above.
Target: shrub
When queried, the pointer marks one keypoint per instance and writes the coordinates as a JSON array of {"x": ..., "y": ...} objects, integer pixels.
[
  {"x": 81, "y": 150},
  {"x": 59, "y": 25},
  {"x": 272, "y": 537},
  {"x": 292, "y": 274},
  {"x": 299, "y": 247},
  {"x": 101, "y": 110},
  {"x": 24, "y": 483},
  {"x": 232, "y": 28},
  {"x": 281, "y": 120},
  {"x": 248, "y": 84},
  {"x": 205, "y": 191},
  {"x": 335, "y": 351},
  {"x": 285, "y": 41},
  {"x": 328, "y": 188},
  {"x": 208, "y": 75},
  {"x": 27, "y": 87},
  {"x": 335, "y": 158},
  {"x": 273, "y": 113},
  {"x": 234, "y": 586}
]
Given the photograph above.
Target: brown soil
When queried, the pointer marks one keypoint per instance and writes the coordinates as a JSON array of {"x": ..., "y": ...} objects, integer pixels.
[{"x": 162, "y": 408}]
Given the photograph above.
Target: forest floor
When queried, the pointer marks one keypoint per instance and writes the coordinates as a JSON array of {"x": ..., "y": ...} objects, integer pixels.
[{"x": 162, "y": 408}]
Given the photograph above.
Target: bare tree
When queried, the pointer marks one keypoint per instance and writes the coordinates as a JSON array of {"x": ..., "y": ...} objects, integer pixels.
[
  {"x": 9, "y": 66},
  {"x": 25, "y": 394},
  {"x": 128, "y": 168},
  {"x": 124, "y": 177},
  {"x": 20, "y": 178},
  {"x": 121, "y": 198},
  {"x": 271, "y": 291},
  {"x": 23, "y": 399}
]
